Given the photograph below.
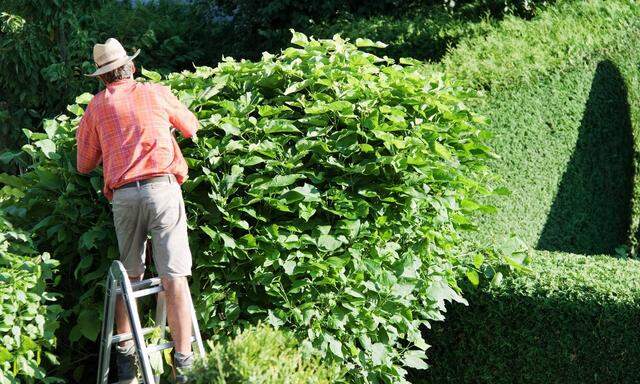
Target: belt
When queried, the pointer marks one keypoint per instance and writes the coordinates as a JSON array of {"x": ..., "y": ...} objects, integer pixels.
[{"x": 151, "y": 180}]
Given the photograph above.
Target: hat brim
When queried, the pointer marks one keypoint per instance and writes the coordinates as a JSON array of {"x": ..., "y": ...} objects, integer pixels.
[{"x": 111, "y": 66}]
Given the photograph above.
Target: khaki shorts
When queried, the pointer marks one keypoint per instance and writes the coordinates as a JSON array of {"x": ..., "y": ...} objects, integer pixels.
[{"x": 155, "y": 209}]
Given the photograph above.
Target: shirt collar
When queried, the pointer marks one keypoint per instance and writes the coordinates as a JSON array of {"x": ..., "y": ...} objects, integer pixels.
[{"x": 120, "y": 83}]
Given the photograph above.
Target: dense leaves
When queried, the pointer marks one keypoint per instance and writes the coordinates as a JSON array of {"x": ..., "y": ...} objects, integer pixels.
[
  {"x": 27, "y": 319},
  {"x": 328, "y": 188},
  {"x": 563, "y": 125},
  {"x": 262, "y": 355},
  {"x": 46, "y": 50}
]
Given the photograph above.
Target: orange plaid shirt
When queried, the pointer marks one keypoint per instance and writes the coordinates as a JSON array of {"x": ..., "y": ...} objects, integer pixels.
[{"x": 127, "y": 128}]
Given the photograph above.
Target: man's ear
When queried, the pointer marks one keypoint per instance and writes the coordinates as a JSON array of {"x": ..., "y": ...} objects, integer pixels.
[{"x": 133, "y": 67}]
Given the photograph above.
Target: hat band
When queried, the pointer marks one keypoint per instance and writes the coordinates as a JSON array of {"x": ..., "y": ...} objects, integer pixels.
[{"x": 109, "y": 62}]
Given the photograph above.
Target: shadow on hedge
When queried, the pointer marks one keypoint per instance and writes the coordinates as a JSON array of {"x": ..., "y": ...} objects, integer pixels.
[
  {"x": 591, "y": 212},
  {"x": 534, "y": 340}
]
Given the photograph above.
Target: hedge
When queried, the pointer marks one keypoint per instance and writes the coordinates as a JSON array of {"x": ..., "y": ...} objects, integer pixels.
[
  {"x": 328, "y": 190},
  {"x": 263, "y": 355},
  {"x": 575, "y": 320},
  {"x": 28, "y": 318},
  {"x": 561, "y": 105},
  {"x": 562, "y": 95}
]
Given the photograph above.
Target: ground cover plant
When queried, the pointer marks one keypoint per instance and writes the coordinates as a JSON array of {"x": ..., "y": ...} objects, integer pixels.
[
  {"x": 328, "y": 189},
  {"x": 562, "y": 95},
  {"x": 264, "y": 355},
  {"x": 28, "y": 316}
]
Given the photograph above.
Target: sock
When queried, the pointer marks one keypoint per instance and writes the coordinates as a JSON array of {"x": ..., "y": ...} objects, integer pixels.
[
  {"x": 183, "y": 359},
  {"x": 128, "y": 349}
]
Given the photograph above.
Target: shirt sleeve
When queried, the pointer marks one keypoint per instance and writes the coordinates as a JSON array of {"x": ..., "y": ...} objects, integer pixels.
[
  {"x": 179, "y": 115},
  {"x": 89, "y": 150}
]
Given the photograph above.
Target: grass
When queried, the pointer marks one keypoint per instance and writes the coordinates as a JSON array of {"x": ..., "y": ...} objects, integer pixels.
[{"x": 562, "y": 94}]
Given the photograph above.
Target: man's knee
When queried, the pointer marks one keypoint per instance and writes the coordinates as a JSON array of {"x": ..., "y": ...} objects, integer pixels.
[{"x": 175, "y": 285}]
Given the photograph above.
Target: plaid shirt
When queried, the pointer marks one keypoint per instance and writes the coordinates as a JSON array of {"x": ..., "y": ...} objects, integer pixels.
[{"x": 127, "y": 128}]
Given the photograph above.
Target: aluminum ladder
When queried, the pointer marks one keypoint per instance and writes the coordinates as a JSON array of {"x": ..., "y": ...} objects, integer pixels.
[{"x": 118, "y": 284}]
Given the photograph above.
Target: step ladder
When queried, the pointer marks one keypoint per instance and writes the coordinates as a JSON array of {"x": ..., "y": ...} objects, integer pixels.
[{"x": 118, "y": 284}]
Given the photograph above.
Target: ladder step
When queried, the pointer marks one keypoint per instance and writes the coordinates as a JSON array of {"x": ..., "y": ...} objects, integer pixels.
[
  {"x": 148, "y": 291},
  {"x": 163, "y": 346},
  {"x": 128, "y": 336},
  {"x": 138, "y": 285}
]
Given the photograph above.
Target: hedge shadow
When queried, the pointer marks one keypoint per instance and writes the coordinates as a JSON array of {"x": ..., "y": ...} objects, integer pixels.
[{"x": 591, "y": 212}]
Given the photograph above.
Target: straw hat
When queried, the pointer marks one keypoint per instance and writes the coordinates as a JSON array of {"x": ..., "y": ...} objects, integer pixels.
[{"x": 109, "y": 56}]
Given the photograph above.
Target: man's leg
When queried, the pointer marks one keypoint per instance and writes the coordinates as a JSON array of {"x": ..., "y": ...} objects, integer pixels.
[
  {"x": 172, "y": 258},
  {"x": 178, "y": 312},
  {"x": 131, "y": 230}
]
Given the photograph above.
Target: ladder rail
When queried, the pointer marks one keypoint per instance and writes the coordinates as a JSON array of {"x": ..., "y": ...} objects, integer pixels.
[
  {"x": 107, "y": 329},
  {"x": 134, "y": 319},
  {"x": 118, "y": 284}
]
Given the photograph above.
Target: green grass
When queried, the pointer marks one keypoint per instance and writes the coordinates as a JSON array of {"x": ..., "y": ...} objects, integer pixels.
[{"x": 562, "y": 94}]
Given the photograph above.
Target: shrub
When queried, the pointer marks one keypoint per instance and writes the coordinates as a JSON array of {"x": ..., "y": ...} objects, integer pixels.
[
  {"x": 259, "y": 26},
  {"x": 328, "y": 189},
  {"x": 27, "y": 321},
  {"x": 46, "y": 48},
  {"x": 262, "y": 355},
  {"x": 573, "y": 321},
  {"x": 565, "y": 122}
]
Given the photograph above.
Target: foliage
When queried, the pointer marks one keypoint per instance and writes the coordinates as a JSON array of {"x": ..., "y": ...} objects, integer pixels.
[
  {"x": 562, "y": 118},
  {"x": 328, "y": 190},
  {"x": 565, "y": 122},
  {"x": 262, "y": 355},
  {"x": 46, "y": 50},
  {"x": 425, "y": 34},
  {"x": 259, "y": 26},
  {"x": 573, "y": 321},
  {"x": 27, "y": 321}
]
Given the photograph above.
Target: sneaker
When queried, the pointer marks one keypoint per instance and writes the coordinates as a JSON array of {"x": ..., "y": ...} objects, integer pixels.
[
  {"x": 183, "y": 363},
  {"x": 127, "y": 364}
]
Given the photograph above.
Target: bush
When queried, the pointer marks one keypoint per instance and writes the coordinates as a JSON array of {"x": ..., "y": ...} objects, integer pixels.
[
  {"x": 259, "y": 26},
  {"x": 47, "y": 46},
  {"x": 565, "y": 122},
  {"x": 262, "y": 355},
  {"x": 27, "y": 321},
  {"x": 328, "y": 189},
  {"x": 573, "y": 321}
]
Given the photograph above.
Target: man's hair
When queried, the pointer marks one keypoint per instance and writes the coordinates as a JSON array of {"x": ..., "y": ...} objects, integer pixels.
[{"x": 123, "y": 72}]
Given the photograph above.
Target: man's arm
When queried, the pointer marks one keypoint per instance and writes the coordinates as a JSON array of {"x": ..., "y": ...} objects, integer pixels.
[
  {"x": 89, "y": 150},
  {"x": 179, "y": 115}
]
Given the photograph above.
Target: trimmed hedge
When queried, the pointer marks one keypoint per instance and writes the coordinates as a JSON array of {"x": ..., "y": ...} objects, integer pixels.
[
  {"x": 575, "y": 320},
  {"x": 561, "y": 104},
  {"x": 262, "y": 355},
  {"x": 563, "y": 97}
]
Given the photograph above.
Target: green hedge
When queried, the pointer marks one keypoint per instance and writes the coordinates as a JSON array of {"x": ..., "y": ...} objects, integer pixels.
[
  {"x": 563, "y": 98},
  {"x": 262, "y": 355},
  {"x": 28, "y": 320},
  {"x": 328, "y": 188},
  {"x": 574, "y": 321},
  {"x": 562, "y": 104}
]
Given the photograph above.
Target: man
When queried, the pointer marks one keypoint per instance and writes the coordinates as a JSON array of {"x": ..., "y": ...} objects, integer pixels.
[{"x": 126, "y": 127}]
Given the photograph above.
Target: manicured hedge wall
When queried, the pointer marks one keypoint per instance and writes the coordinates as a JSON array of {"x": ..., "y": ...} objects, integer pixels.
[
  {"x": 563, "y": 97},
  {"x": 574, "y": 321}
]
